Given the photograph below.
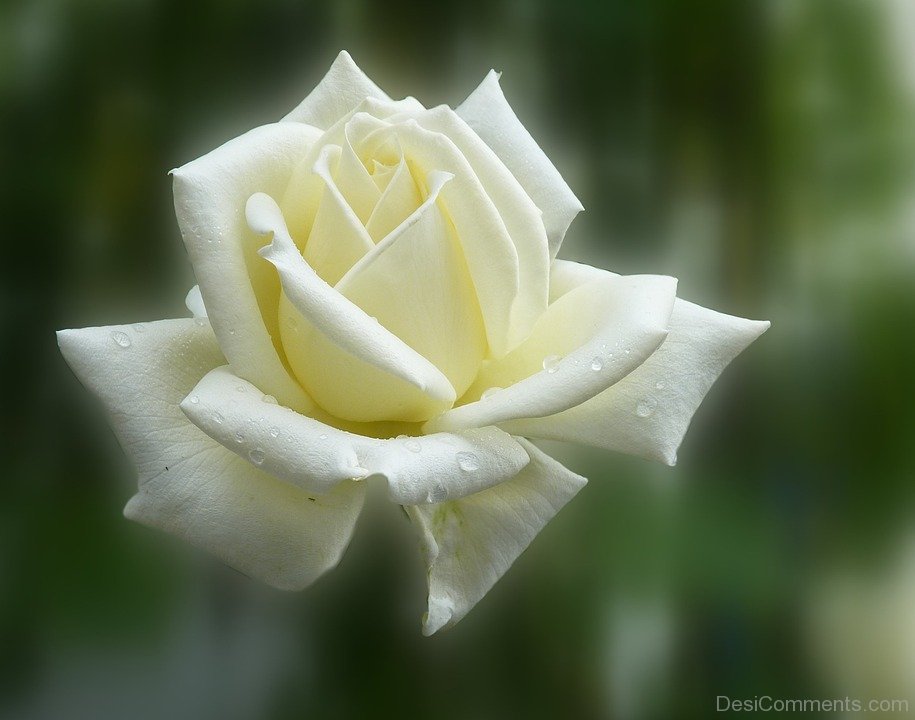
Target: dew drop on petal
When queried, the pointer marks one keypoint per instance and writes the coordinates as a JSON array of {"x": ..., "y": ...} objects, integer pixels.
[
  {"x": 139, "y": 327},
  {"x": 240, "y": 388},
  {"x": 551, "y": 363},
  {"x": 659, "y": 385},
  {"x": 413, "y": 445},
  {"x": 437, "y": 494},
  {"x": 489, "y": 392},
  {"x": 468, "y": 462},
  {"x": 646, "y": 407},
  {"x": 200, "y": 321},
  {"x": 274, "y": 432},
  {"x": 239, "y": 438},
  {"x": 269, "y": 399},
  {"x": 322, "y": 436},
  {"x": 597, "y": 364},
  {"x": 194, "y": 399},
  {"x": 217, "y": 418},
  {"x": 120, "y": 339},
  {"x": 257, "y": 456}
]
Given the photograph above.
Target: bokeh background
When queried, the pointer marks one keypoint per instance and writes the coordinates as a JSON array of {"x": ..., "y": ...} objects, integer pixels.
[{"x": 762, "y": 151}]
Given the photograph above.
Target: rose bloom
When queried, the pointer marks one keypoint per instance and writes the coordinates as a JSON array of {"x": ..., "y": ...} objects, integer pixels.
[{"x": 379, "y": 297}]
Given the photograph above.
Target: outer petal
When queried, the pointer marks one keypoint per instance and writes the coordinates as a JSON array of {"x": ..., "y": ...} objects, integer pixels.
[
  {"x": 349, "y": 344},
  {"x": 189, "y": 484},
  {"x": 587, "y": 340},
  {"x": 469, "y": 543},
  {"x": 240, "y": 291},
  {"x": 340, "y": 90},
  {"x": 648, "y": 412},
  {"x": 316, "y": 457},
  {"x": 487, "y": 111}
]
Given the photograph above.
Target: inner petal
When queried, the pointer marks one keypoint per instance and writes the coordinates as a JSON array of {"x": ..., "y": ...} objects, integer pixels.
[
  {"x": 359, "y": 370},
  {"x": 338, "y": 238},
  {"x": 416, "y": 283},
  {"x": 354, "y": 180},
  {"x": 486, "y": 246},
  {"x": 399, "y": 200},
  {"x": 382, "y": 174}
]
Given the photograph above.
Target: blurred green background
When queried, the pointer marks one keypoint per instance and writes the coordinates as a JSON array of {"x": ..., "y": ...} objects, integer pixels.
[{"x": 761, "y": 151}]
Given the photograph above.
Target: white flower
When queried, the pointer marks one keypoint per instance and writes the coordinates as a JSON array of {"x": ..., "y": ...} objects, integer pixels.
[{"x": 378, "y": 297}]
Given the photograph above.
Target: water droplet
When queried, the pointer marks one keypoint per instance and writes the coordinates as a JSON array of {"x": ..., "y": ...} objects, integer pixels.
[
  {"x": 322, "y": 436},
  {"x": 437, "y": 494},
  {"x": 120, "y": 339},
  {"x": 240, "y": 388},
  {"x": 239, "y": 438},
  {"x": 628, "y": 352},
  {"x": 659, "y": 385},
  {"x": 413, "y": 445},
  {"x": 489, "y": 392},
  {"x": 200, "y": 321},
  {"x": 269, "y": 399},
  {"x": 231, "y": 332},
  {"x": 194, "y": 399},
  {"x": 646, "y": 407},
  {"x": 217, "y": 418},
  {"x": 274, "y": 432},
  {"x": 257, "y": 456},
  {"x": 468, "y": 462},
  {"x": 597, "y": 364},
  {"x": 139, "y": 327},
  {"x": 551, "y": 363}
]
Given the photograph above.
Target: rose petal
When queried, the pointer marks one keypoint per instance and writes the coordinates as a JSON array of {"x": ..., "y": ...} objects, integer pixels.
[
  {"x": 587, "y": 340},
  {"x": 240, "y": 291},
  {"x": 521, "y": 217},
  {"x": 357, "y": 369},
  {"x": 399, "y": 200},
  {"x": 566, "y": 275},
  {"x": 648, "y": 412},
  {"x": 488, "y": 249},
  {"x": 415, "y": 282},
  {"x": 193, "y": 301},
  {"x": 340, "y": 90},
  {"x": 469, "y": 543},
  {"x": 355, "y": 182},
  {"x": 338, "y": 237},
  {"x": 487, "y": 111},
  {"x": 317, "y": 457},
  {"x": 301, "y": 196},
  {"x": 190, "y": 485}
]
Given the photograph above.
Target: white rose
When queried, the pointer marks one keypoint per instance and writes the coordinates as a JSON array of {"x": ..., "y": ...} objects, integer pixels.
[{"x": 378, "y": 297}]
